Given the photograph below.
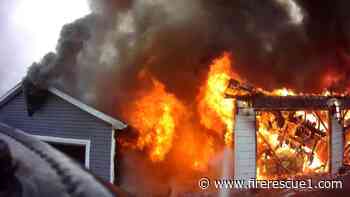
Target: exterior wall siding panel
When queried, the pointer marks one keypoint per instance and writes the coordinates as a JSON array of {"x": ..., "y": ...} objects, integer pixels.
[
  {"x": 245, "y": 145},
  {"x": 337, "y": 147},
  {"x": 58, "y": 118}
]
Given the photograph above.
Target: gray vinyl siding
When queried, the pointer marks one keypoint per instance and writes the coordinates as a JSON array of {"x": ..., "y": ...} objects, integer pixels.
[{"x": 58, "y": 118}]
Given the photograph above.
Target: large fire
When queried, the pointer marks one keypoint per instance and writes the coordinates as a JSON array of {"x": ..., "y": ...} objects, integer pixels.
[
  {"x": 155, "y": 117},
  {"x": 292, "y": 143},
  {"x": 289, "y": 143},
  {"x": 188, "y": 134},
  {"x": 216, "y": 112}
]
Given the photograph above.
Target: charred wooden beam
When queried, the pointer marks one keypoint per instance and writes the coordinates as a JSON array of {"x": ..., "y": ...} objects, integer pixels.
[
  {"x": 347, "y": 129},
  {"x": 243, "y": 89},
  {"x": 291, "y": 103},
  {"x": 347, "y": 148},
  {"x": 309, "y": 125},
  {"x": 321, "y": 121},
  {"x": 273, "y": 153},
  {"x": 234, "y": 84},
  {"x": 279, "y": 118}
]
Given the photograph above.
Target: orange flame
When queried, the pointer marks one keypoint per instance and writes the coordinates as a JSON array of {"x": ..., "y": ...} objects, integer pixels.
[
  {"x": 216, "y": 112},
  {"x": 191, "y": 134},
  {"x": 153, "y": 116},
  {"x": 281, "y": 154},
  {"x": 347, "y": 137},
  {"x": 284, "y": 92}
]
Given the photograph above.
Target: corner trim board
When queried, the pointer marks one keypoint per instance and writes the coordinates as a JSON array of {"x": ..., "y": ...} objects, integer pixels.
[{"x": 112, "y": 173}]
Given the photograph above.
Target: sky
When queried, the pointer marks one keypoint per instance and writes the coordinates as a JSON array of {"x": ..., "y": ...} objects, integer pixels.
[{"x": 28, "y": 30}]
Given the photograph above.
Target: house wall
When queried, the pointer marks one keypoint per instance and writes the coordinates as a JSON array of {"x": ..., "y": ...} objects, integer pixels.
[
  {"x": 245, "y": 145},
  {"x": 337, "y": 146},
  {"x": 58, "y": 118}
]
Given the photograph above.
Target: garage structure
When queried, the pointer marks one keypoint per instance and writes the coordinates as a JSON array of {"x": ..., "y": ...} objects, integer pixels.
[
  {"x": 82, "y": 132},
  {"x": 246, "y": 127}
]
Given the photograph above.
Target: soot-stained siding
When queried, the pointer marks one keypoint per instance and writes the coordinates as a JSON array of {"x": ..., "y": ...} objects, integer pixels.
[{"x": 58, "y": 118}]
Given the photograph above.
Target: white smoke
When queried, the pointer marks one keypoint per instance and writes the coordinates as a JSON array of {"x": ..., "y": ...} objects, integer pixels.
[{"x": 295, "y": 12}]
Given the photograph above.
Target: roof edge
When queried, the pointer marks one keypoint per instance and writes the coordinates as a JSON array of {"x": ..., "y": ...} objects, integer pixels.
[
  {"x": 10, "y": 93},
  {"x": 114, "y": 122},
  {"x": 119, "y": 125}
]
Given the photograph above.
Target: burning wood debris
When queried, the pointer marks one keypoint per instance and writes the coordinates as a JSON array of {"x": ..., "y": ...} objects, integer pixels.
[
  {"x": 346, "y": 116},
  {"x": 292, "y": 143}
]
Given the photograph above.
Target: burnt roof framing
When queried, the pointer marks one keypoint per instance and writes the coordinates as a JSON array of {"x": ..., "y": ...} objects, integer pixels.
[{"x": 292, "y": 103}]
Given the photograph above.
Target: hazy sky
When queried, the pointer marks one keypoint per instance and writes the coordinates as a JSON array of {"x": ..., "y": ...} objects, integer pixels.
[{"x": 28, "y": 30}]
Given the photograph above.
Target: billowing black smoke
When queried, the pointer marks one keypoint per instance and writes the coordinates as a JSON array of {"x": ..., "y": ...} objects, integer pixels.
[{"x": 273, "y": 43}]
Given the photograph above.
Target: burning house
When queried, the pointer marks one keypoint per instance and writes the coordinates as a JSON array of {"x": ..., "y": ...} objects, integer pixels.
[{"x": 267, "y": 134}]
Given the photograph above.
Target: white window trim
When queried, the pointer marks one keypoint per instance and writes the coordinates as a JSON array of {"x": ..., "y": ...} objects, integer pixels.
[
  {"x": 70, "y": 141},
  {"x": 113, "y": 154}
]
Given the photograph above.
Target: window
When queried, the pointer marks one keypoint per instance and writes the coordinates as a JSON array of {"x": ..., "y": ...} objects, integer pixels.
[
  {"x": 78, "y": 150},
  {"x": 75, "y": 152}
]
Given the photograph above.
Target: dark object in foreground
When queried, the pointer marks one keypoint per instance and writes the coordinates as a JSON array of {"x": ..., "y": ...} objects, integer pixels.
[
  {"x": 9, "y": 184},
  {"x": 31, "y": 168}
]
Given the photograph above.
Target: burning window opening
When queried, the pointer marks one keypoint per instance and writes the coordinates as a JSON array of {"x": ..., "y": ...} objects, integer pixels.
[{"x": 292, "y": 143}]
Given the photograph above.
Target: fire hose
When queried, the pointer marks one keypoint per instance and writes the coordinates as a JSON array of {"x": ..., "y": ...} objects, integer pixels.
[{"x": 31, "y": 168}]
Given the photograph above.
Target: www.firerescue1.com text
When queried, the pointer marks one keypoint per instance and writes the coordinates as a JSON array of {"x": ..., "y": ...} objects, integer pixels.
[{"x": 206, "y": 183}]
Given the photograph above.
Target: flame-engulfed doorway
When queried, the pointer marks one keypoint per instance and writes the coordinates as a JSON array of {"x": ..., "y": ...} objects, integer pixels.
[{"x": 292, "y": 143}]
